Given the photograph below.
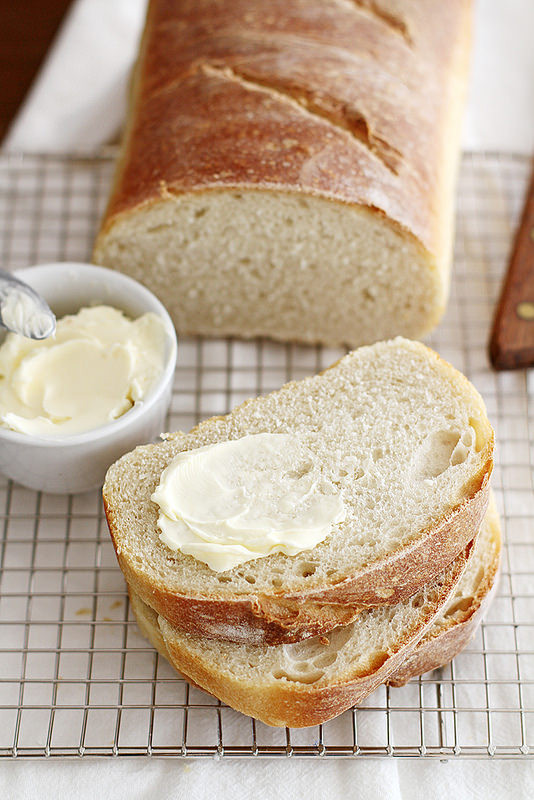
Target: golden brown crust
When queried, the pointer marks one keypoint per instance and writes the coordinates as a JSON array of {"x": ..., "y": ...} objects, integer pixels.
[
  {"x": 292, "y": 703},
  {"x": 147, "y": 622},
  {"x": 261, "y": 95},
  {"x": 439, "y": 650},
  {"x": 283, "y": 705},
  {"x": 438, "y": 646}
]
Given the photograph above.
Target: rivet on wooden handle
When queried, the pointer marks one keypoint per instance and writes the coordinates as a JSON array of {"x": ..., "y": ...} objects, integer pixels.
[{"x": 512, "y": 338}]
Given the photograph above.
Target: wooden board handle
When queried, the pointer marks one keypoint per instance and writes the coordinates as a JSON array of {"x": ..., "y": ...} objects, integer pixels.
[{"x": 512, "y": 338}]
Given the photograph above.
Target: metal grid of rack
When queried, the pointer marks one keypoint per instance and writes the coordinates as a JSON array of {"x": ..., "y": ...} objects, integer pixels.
[{"x": 77, "y": 678}]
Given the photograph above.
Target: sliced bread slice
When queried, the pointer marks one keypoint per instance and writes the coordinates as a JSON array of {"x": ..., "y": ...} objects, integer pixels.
[
  {"x": 406, "y": 440},
  {"x": 308, "y": 682},
  {"x": 462, "y": 615},
  {"x": 449, "y": 632}
]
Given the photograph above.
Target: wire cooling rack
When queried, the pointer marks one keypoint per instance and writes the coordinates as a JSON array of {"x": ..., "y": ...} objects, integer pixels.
[{"x": 76, "y": 677}]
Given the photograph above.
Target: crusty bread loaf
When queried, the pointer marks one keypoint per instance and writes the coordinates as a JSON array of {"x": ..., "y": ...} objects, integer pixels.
[
  {"x": 288, "y": 167},
  {"x": 308, "y": 682},
  {"x": 406, "y": 439},
  {"x": 462, "y": 615}
]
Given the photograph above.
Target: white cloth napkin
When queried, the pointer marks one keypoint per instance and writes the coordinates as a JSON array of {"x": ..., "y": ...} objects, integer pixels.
[
  {"x": 78, "y": 100},
  {"x": 145, "y": 779}
]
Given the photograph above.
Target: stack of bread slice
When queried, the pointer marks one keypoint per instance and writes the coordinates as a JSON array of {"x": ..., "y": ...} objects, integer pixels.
[{"x": 396, "y": 589}]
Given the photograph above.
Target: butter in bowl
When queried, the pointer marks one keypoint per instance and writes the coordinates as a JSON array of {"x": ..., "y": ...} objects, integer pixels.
[{"x": 73, "y": 403}]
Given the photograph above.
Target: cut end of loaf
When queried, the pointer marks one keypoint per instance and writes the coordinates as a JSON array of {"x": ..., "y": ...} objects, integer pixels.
[{"x": 278, "y": 264}]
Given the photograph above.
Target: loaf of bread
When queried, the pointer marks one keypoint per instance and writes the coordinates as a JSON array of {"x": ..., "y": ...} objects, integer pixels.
[
  {"x": 406, "y": 439},
  {"x": 288, "y": 166}
]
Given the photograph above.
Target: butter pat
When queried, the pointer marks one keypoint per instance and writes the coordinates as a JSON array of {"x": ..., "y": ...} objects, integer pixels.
[
  {"x": 97, "y": 366},
  {"x": 238, "y": 500}
]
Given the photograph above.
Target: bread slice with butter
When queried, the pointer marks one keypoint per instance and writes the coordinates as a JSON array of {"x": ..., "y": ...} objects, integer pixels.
[
  {"x": 405, "y": 437},
  {"x": 312, "y": 681}
]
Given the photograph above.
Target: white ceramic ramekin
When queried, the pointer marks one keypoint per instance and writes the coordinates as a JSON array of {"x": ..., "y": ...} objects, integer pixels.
[{"x": 78, "y": 463}]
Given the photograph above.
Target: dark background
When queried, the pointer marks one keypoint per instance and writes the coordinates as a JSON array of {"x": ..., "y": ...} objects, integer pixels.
[{"x": 26, "y": 31}]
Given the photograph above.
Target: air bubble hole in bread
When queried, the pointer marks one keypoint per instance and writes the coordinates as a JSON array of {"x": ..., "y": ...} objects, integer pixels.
[{"x": 442, "y": 450}]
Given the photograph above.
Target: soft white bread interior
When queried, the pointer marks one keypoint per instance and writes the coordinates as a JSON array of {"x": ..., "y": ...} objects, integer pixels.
[
  {"x": 462, "y": 615},
  {"x": 406, "y": 440},
  {"x": 269, "y": 271},
  {"x": 307, "y": 682}
]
